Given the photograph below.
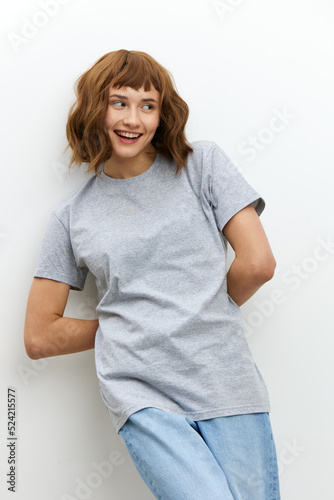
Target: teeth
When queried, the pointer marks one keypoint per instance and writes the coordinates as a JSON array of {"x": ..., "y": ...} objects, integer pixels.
[{"x": 127, "y": 134}]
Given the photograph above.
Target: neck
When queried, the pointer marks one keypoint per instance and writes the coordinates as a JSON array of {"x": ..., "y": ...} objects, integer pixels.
[{"x": 125, "y": 168}]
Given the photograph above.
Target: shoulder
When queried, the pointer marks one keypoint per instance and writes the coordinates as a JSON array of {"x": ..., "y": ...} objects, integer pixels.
[
  {"x": 74, "y": 200},
  {"x": 198, "y": 169},
  {"x": 208, "y": 152},
  {"x": 203, "y": 146}
]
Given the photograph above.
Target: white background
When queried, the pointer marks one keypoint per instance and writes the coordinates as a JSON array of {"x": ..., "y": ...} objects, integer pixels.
[{"x": 237, "y": 64}]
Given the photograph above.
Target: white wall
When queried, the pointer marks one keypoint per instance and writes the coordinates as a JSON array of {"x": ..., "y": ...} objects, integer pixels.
[{"x": 238, "y": 65}]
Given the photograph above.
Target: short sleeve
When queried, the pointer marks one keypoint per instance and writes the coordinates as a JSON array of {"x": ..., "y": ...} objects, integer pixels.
[
  {"x": 228, "y": 190},
  {"x": 56, "y": 259}
]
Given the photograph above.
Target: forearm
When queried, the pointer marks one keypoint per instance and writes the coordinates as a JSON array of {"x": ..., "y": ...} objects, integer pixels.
[
  {"x": 66, "y": 336},
  {"x": 243, "y": 281}
]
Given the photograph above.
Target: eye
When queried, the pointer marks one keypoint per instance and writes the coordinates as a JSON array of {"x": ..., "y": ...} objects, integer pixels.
[
  {"x": 117, "y": 102},
  {"x": 121, "y": 103}
]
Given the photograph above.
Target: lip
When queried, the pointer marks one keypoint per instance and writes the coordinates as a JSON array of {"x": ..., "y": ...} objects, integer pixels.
[
  {"x": 128, "y": 131},
  {"x": 126, "y": 140}
]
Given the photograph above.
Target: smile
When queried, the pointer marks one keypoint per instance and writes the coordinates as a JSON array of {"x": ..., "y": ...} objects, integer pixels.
[
  {"x": 127, "y": 138},
  {"x": 130, "y": 135}
]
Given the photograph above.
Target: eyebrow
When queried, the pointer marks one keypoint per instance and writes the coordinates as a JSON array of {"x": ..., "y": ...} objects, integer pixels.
[{"x": 124, "y": 97}]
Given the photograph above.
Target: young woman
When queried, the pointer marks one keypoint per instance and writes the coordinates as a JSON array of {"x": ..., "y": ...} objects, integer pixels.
[{"x": 152, "y": 226}]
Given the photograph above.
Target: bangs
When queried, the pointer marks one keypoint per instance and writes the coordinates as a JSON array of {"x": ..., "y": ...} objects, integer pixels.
[{"x": 137, "y": 72}]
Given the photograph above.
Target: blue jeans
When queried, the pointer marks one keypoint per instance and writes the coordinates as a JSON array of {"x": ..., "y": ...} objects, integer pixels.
[{"x": 224, "y": 458}]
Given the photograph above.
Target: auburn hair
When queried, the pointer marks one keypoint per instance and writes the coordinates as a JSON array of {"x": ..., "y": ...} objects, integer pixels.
[{"x": 85, "y": 125}]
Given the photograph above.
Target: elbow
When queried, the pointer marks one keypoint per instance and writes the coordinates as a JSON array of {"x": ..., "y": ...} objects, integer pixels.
[
  {"x": 32, "y": 347},
  {"x": 32, "y": 352},
  {"x": 264, "y": 270}
]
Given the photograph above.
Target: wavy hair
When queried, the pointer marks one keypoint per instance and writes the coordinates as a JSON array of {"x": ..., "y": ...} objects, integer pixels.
[{"x": 85, "y": 125}]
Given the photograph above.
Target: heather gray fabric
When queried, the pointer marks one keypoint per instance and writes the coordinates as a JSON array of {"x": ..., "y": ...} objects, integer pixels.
[{"x": 169, "y": 335}]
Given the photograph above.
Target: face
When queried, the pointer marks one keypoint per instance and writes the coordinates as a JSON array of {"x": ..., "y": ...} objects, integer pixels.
[{"x": 135, "y": 112}]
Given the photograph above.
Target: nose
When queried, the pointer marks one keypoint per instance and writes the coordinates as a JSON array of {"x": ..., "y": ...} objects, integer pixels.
[{"x": 131, "y": 117}]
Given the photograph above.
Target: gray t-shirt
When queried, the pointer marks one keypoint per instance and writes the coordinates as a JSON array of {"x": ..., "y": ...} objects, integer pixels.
[{"x": 169, "y": 335}]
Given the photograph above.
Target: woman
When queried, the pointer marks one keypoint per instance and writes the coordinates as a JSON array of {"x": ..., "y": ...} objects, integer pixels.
[{"x": 152, "y": 225}]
